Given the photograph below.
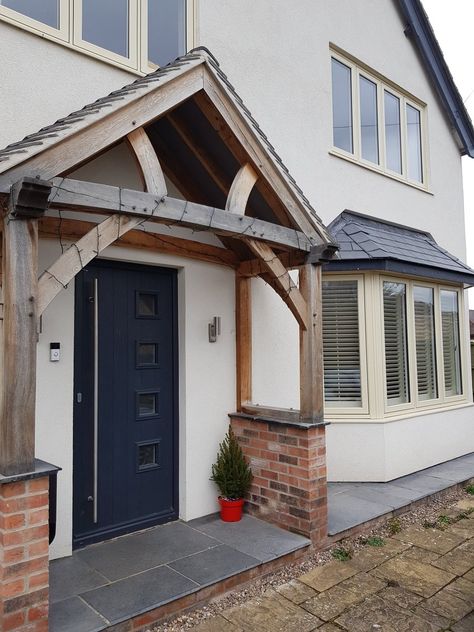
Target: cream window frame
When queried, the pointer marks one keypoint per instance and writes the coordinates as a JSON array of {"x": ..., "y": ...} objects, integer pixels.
[
  {"x": 359, "y": 69},
  {"x": 415, "y": 403},
  {"x": 131, "y": 61},
  {"x": 69, "y": 34},
  {"x": 361, "y": 411},
  {"x": 35, "y": 26}
]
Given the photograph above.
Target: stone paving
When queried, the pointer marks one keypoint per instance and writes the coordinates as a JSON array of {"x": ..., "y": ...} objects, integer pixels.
[{"x": 419, "y": 580}]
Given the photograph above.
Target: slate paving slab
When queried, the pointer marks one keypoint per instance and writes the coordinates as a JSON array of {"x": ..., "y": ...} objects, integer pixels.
[
  {"x": 432, "y": 539},
  {"x": 71, "y": 576},
  {"x": 272, "y": 613},
  {"x": 73, "y": 615},
  {"x": 126, "y": 556},
  {"x": 417, "y": 577}
]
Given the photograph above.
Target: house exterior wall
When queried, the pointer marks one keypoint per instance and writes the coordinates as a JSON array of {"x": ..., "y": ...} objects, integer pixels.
[{"x": 283, "y": 74}]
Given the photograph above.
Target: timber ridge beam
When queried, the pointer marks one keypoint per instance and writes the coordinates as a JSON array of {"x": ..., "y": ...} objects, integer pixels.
[{"x": 101, "y": 198}]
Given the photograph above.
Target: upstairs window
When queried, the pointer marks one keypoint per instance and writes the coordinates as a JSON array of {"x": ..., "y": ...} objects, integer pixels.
[
  {"x": 139, "y": 35},
  {"x": 376, "y": 124}
]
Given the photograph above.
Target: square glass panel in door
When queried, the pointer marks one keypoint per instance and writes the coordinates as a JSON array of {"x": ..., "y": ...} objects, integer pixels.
[
  {"x": 105, "y": 23},
  {"x": 147, "y": 354},
  {"x": 147, "y": 405},
  {"x": 148, "y": 456},
  {"x": 45, "y": 11},
  {"x": 146, "y": 305}
]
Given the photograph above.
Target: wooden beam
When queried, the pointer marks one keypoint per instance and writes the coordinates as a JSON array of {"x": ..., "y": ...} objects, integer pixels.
[
  {"x": 240, "y": 190},
  {"x": 20, "y": 283},
  {"x": 64, "y": 269},
  {"x": 311, "y": 347},
  {"x": 107, "y": 130},
  {"x": 281, "y": 281},
  {"x": 255, "y": 267},
  {"x": 243, "y": 317},
  {"x": 148, "y": 162},
  {"x": 260, "y": 156},
  {"x": 209, "y": 165},
  {"x": 73, "y": 229},
  {"x": 97, "y": 198},
  {"x": 266, "y": 412}
]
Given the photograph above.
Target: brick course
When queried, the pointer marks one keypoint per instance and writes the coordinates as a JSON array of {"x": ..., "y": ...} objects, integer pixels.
[
  {"x": 24, "y": 575},
  {"x": 289, "y": 467}
]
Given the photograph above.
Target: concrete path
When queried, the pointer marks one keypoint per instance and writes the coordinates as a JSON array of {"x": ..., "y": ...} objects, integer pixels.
[{"x": 420, "y": 580}]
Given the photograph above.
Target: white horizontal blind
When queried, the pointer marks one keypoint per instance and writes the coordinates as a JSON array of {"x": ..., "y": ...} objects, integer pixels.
[
  {"x": 423, "y": 298},
  {"x": 451, "y": 342},
  {"x": 342, "y": 386},
  {"x": 396, "y": 351}
]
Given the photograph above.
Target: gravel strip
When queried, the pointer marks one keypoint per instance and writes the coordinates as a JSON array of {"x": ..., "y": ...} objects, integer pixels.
[{"x": 427, "y": 513}]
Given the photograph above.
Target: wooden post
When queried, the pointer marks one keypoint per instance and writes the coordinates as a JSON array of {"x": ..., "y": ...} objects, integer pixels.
[
  {"x": 311, "y": 347},
  {"x": 243, "y": 317},
  {"x": 28, "y": 201}
]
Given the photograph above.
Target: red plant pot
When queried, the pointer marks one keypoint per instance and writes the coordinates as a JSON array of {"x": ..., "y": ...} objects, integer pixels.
[{"x": 231, "y": 510}]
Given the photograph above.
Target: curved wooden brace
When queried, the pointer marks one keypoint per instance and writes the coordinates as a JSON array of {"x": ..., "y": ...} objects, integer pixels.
[
  {"x": 71, "y": 262},
  {"x": 240, "y": 190},
  {"x": 148, "y": 162},
  {"x": 281, "y": 280}
]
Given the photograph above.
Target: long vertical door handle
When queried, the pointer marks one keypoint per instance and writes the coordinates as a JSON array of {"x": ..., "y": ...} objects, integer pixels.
[{"x": 96, "y": 394}]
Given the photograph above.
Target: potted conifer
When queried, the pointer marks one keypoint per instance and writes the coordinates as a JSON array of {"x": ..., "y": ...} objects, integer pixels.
[{"x": 233, "y": 476}]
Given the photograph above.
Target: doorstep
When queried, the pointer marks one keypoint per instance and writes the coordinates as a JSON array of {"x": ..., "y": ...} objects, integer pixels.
[
  {"x": 148, "y": 575},
  {"x": 354, "y": 505}
]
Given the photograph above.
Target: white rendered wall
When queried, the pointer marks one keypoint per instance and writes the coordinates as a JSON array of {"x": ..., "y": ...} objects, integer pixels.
[{"x": 380, "y": 452}]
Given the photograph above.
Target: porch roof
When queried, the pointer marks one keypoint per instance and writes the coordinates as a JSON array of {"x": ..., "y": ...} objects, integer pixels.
[
  {"x": 368, "y": 243},
  {"x": 31, "y": 155}
]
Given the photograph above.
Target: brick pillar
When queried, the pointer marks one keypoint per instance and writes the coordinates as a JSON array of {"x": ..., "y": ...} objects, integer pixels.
[
  {"x": 288, "y": 461},
  {"x": 24, "y": 533}
]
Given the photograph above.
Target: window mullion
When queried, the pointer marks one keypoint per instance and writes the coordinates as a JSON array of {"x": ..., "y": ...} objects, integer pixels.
[
  {"x": 439, "y": 345},
  {"x": 403, "y": 136},
  {"x": 356, "y": 120},
  {"x": 411, "y": 340}
]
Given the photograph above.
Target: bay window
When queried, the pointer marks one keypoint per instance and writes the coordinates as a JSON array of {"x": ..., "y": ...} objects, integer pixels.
[
  {"x": 139, "y": 35},
  {"x": 375, "y": 124},
  {"x": 390, "y": 345}
]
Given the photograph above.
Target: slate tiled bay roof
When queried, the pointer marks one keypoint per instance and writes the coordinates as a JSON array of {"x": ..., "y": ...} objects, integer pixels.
[{"x": 368, "y": 243}]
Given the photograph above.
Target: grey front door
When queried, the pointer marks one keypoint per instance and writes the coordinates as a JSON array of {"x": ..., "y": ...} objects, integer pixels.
[{"x": 125, "y": 411}]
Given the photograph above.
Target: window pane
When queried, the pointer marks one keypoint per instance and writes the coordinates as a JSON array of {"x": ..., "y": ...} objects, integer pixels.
[
  {"x": 147, "y": 354},
  {"x": 451, "y": 348},
  {"x": 105, "y": 24},
  {"x": 423, "y": 298},
  {"x": 166, "y": 30},
  {"x": 147, "y": 404},
  {"x": 368, "y": 120},
  {"x": 415, "y": 168},
  {"x": 147, "y": 305},
  {"x": 392, "y": 132},
  {"x": 45, "y": 11},
  {"x": 396, "y": 352},
  {"x": 341, "y": 344},
  {"x": 148, "y": 456},
  {"x": 341, "y": 106}
]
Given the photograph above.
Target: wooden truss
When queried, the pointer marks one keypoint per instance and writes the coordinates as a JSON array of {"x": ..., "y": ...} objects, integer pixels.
[{"x": 275, "y": 248}]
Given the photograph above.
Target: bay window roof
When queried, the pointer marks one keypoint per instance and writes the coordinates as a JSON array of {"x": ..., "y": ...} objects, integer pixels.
[{"x": 368, "y": 243}]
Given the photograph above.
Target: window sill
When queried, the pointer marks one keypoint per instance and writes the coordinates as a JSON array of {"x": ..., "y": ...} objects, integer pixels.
[
  {"x": 397, "y": 416},
  {"x": 366, "y": 165}
]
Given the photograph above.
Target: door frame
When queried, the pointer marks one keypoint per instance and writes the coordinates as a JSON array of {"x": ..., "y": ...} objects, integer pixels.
[{"x": 78, "y": 542}]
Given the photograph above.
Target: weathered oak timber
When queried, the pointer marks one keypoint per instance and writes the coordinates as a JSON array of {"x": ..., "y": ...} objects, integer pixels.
[
  {"x": 98, "y": 136},
  {"x": 80, "y": 253},
  {"x": 20, "y": 283},
  {"x": 266, "y": 412},
  {"x": 311, "y": 347},
  {"x": 243, "y": 316},
  {"x": 240, "y": 189},
  {"x": 73, "y": 229},
  {"x": 92, "y": 197},
  {"x": 281, "y": 281},
  {"x": 266, "y": 166},
  {"x": 148, "y": 162},
  {"x": 255, "y": 267}
]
